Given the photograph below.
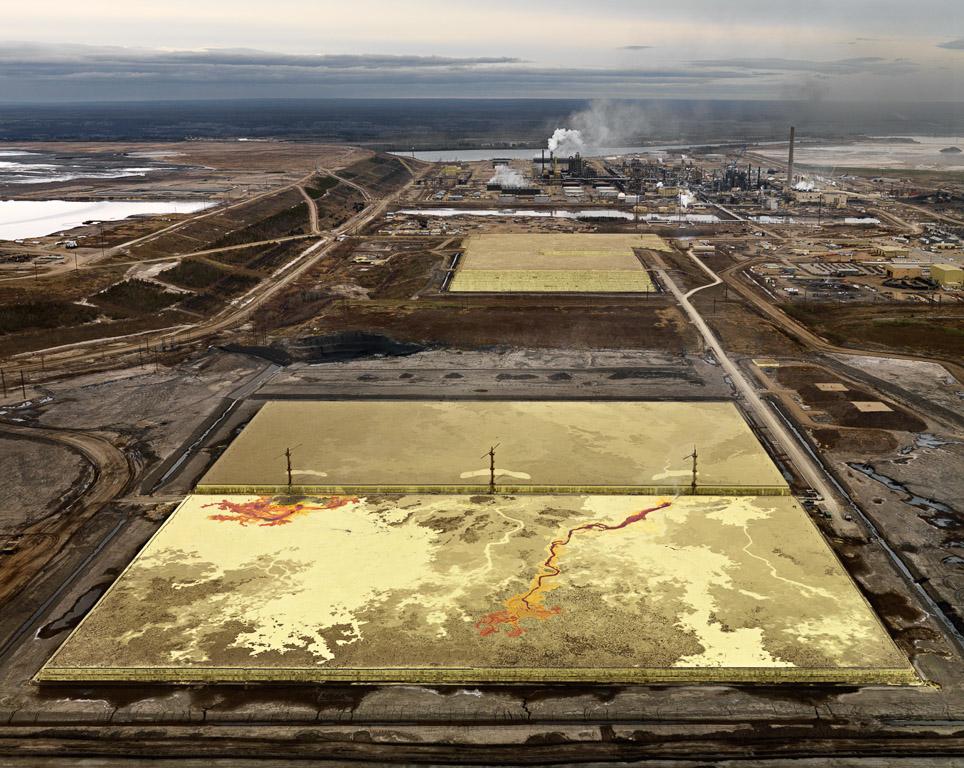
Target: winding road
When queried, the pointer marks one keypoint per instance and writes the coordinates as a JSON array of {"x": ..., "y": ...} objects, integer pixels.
[
  {"x": 44, "y": 539},
  {"x": 82, "y": 353}
]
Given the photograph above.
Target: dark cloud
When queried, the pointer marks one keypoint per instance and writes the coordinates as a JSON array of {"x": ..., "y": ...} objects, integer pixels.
[
  {"x": 953, "y": 45},
  {"x": 841, "y": 66},
  {"x": 874, "y": 65},
  {"x": 96, "y": 59},
  {"x": 78, "y": 71}
]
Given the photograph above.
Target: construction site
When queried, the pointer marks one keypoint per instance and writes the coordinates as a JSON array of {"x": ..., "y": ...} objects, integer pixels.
[{"x": 547, "y": 457}]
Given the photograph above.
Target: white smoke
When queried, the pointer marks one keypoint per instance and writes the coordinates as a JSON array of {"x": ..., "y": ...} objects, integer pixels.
[
  {"x": 566, "y": 142},
  {"x": 508, "y": 177},
  {"x": 685, "y": 198},
  {"x": 804, "y": 185},
  {"x": 614, "y": 123}
]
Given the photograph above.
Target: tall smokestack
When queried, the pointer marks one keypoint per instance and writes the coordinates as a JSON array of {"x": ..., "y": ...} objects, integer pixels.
[{"x": 790, "y": 162}]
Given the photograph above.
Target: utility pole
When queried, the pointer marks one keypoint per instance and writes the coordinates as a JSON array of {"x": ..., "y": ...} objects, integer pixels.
[
  {"x": 23, "y": 385},
  {"x": 491, "y": 455},
  {"x": 288, "y": 458},
  {"x": 693, "y": 456},
  {"x": 3, "y": 382}
]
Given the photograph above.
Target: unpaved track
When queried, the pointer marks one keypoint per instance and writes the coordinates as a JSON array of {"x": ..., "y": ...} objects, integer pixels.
[
  {"x": 43, "y": 539},
  {"x": 312, "y": 210},
  {"x": 75, "y": 356},
  {"x": 813, "y": 474},
  {"x": 99, "y": 261}
]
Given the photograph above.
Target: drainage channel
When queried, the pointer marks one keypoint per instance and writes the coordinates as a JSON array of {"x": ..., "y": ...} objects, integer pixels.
[
  {"x": 237, "y": 396},
  {"x": 191, "y": 448},
  {"x": 957, "y": 637},
  {"x": 928, "y": 505},
  {"x": 67, "y": 582}
]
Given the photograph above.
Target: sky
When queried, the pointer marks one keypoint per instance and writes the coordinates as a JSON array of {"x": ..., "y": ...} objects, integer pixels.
[{"x": 866, "y": 50}]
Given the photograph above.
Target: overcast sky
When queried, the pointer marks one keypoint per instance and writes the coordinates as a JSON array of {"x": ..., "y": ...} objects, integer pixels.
[{"x": 64, "y": 50}]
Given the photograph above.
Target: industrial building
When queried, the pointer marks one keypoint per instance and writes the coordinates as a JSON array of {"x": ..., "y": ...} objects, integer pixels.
[
  {"x": 903, "y": 271},
  {"x": 947, "y": 275},
  {"x": 890, "y": 251},
  {"x": 819, "y": 197}
]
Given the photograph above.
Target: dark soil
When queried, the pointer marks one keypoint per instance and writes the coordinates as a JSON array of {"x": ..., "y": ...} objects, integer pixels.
[
  {"x": 545, "y": 325},
  {"x": 937, "y": 330},
  {"x": 839, "y": 405},
  {"x": 859, "y": 441}
]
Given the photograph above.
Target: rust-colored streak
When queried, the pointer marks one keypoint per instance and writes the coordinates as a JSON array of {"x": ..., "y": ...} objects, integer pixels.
[
  {"x": 264, "y": 512},
  {"x": 531, "y": 604}
]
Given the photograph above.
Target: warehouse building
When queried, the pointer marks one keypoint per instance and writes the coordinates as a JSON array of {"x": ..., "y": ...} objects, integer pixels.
[
  {"x": 890, "y": 251},
  {"x": 947, "y": 275},
  {"x": 903, "y": 271}
]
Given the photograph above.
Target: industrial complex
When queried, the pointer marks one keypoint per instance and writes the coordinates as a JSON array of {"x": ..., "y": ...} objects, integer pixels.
[{"x": 640, "y": 456}]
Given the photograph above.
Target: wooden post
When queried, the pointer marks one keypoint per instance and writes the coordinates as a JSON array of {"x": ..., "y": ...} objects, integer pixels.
[
  {"x": 23, "y": 385},
  {"x": 288, "y": 457}
]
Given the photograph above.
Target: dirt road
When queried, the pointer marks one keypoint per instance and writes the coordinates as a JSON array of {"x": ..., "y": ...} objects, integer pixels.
[
  {"x": 76, "y": 355},
  {"x": 42, "y": 540},
  {"x": 813, "y": 474}
]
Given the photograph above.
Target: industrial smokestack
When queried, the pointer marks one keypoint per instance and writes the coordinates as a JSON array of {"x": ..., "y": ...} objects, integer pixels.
[{"x": 790, "y": 162}]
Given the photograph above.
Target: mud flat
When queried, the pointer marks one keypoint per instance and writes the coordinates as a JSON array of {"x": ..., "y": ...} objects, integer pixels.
[
  {"x": 483, "y": 589},
  {"x": 549, "y": 446}
]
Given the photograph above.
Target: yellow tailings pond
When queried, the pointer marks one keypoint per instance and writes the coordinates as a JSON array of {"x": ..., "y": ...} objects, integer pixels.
[
  {"x": 564, "y": 263},
  {"x": 378, "y": 571},
  {"x": 568, "y": 447},
  {"x": 459, "y": 589}
]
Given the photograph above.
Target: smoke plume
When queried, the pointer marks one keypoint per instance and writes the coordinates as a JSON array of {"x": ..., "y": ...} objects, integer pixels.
[
  {"x": 610, "y": 123},
  {"x": 508, "y": 177},
  {"x": 605, "y": 123},
  {"x": 566, "y": 142},
  {"x": 685, "y": 198}
]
